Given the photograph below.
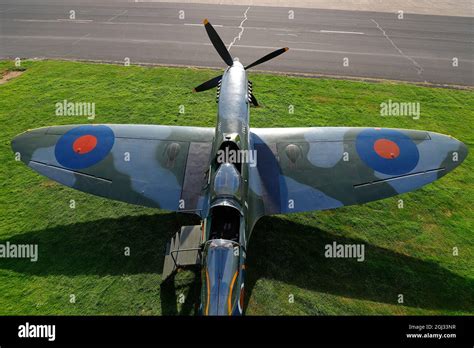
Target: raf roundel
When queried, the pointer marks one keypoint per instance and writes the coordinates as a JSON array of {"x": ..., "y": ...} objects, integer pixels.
[
  {"x": 84, "y": 146},
  {"x": 386, "y": 148},
  {"x": 387, "y": 151}
]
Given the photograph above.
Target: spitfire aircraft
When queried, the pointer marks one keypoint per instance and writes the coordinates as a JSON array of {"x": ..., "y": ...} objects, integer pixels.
[{"x": 199, "y": 170}]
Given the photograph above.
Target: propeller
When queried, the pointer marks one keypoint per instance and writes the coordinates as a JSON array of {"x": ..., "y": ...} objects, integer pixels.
[
  {"x": 253, "y": 100},
  {"x": 269, "y": 56},
  {"x": 208, "y": 84},
  {"x": 217, "y": 43},
  {"x": 227, "y": 58}
]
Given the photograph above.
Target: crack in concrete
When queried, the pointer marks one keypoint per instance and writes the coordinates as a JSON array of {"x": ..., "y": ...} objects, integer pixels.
[
  {"x": 241, "y": 27},
  {"x": 418, "y": 67}
]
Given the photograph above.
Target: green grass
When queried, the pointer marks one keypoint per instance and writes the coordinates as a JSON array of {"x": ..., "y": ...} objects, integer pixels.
[{"x": 408, "y": 251}]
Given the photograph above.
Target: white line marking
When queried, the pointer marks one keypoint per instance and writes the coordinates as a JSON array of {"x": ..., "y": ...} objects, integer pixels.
[
  {"x": 347, "y": 52},
  {"x": 103, "y": 39},
  {"x": 8, "y": 10},
  {"x": 36, "y": 20},
  {"x": 116, "y": 16},
  {"x": 202, "y": 25},
  {"x": 271, "y": 29},
  {"x": 99, "y": 39},
  {"x": 241, "y": 26},
  {"x": 81, "y": 38},
  {"x": 287, "y": 35},
  {"x": 418, "y": 67},
  {"x": 75, "y": 20},
  {"x": 54, "y": 20},
  {"x": 306, "y": 43},
  {"x": 238, "y": 17},
  {"x": 134, "y": 23},
  {"x": 246, "y": 28},
  {"x": 341, "y": 32}
]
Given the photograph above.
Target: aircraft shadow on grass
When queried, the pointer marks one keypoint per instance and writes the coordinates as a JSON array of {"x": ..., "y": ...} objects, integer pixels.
[{"x": 279, "y": 249}]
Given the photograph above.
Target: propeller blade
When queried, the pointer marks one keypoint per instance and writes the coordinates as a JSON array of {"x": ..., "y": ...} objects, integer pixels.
[
  {"x": 267, "y": 57},
  {"x": 208, "y": 84},
  {"x": 218, "y": 44},
  {"x": 254, "y": 100}
]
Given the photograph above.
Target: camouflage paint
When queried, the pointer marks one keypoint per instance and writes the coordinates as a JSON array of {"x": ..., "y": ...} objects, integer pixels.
[{"x": 298, "y": 169}]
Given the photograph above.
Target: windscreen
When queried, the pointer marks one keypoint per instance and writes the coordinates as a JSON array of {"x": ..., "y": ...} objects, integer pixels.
[{"x": 227, "y": 181}]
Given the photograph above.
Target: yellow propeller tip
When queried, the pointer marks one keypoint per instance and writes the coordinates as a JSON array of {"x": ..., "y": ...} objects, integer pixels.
[
  {"x": 286, "y": 49},
  {"x": 205, "y": 21},
  {"x": 194, "y": 90}
]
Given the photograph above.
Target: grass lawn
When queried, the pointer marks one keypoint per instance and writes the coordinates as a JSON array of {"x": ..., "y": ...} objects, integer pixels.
[{"x": 409, "y": 251}]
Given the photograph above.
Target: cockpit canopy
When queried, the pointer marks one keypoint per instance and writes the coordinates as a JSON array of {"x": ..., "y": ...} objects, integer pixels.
[{"x": 227, "y": 181}]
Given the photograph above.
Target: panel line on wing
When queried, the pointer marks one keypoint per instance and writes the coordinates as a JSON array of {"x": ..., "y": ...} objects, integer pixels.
[
  {"x": 399, "y": 177},
  {"x": 73, "y": 171}
]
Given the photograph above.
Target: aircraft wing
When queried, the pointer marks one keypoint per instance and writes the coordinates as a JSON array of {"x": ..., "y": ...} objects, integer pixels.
[
  {"x": 156, "y": 166},
  {"x": 304, "y": 169}
]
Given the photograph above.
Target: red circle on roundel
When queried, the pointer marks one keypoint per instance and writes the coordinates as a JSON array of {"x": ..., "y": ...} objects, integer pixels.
[
  {"x": 84, "y": 144},
  {"x": 386, "y": 148}
]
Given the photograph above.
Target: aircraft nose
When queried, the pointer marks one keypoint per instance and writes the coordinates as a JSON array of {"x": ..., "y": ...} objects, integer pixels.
[{"x": 237, "y": 63}]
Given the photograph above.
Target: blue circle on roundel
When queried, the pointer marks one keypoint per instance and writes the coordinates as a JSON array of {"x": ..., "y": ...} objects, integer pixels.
[
  {"x": 406, "y": 160},
  {"x": 65, "y": 147}
]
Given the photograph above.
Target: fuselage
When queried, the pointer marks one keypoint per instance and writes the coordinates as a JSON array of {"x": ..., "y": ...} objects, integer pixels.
[{"x": 225, "y": 229}]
